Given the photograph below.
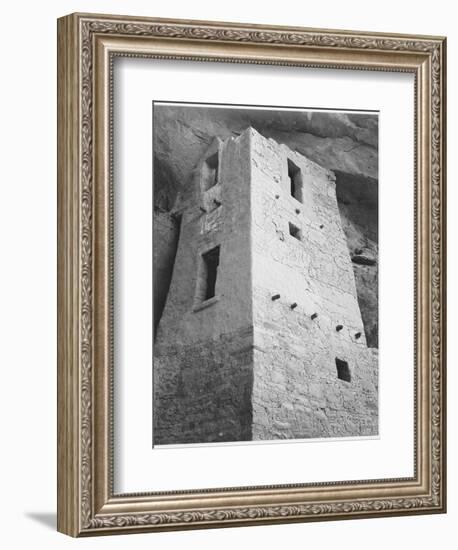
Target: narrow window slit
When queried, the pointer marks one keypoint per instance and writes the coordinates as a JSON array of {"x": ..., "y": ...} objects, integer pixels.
[
  {"x": 295, "y": 180},
  {"x": 210, "y": 172},
  {"x": 210, "y": 272},
  {"x": 343, "y": 370}
]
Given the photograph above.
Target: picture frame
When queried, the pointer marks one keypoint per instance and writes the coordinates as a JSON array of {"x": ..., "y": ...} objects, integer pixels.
[{"x": 88, "y": 44}]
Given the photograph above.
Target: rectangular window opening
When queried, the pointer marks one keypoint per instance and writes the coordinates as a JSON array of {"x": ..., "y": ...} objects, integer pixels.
[
  {"x": 343, "y": 370},
  {"x": 210, "y": 172},
  {"x": 295, "y": 179},
  {"x": 210, "y": 272},
  {"x": 294, "y": 231}
]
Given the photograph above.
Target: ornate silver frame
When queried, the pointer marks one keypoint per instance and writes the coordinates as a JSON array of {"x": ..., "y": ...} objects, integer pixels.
[{"x": 87, "y": 45}]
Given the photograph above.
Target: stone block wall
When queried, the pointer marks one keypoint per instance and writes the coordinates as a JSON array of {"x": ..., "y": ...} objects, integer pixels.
[
  {"x": 207, "y": 399},
  {"x": 316, "y": 318},
  {"x": 203, "y": 352},
  {"x": 257, "y": 361}
]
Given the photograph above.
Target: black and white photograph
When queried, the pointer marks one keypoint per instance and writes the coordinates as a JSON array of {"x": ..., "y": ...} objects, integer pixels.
[{"x": 265, "y": 243}]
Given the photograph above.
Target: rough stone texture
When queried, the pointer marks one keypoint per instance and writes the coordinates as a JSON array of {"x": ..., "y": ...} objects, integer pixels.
[
  {"x": 296, "y": 392},
  {"x": 202, "y": 375},
  {"x": 203, "y": 390},
  {"x": 345, "y": 143},
  {"x": 241, "y": 366}
]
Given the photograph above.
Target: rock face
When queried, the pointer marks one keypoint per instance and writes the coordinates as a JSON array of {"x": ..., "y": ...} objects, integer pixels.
[{"x": 345, "y": 143}]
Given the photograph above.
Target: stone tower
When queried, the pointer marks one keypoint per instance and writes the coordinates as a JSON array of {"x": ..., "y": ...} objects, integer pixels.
[{"x": 261, "y": 336}]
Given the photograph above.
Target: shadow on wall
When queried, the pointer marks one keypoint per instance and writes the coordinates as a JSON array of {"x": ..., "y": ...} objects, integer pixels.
[
  {"x": 48, "y": 520},
  {"x": 357, "y": 197},
  {"x": 166, "y": 232}
]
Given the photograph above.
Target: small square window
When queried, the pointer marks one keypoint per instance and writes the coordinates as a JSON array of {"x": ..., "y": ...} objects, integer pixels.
[{"x": 294, "y": 231}]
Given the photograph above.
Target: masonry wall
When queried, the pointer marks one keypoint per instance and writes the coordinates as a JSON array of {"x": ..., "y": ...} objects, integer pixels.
[
  {"x": 203, "y": 353},
  {"x": 296, "y": 391},
  {"x": 203, "y": 391},
  {"x": 242, "y": 365}
]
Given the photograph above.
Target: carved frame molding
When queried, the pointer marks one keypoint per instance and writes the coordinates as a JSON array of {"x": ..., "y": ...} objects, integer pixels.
[{"x": 87, "y": 45}]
